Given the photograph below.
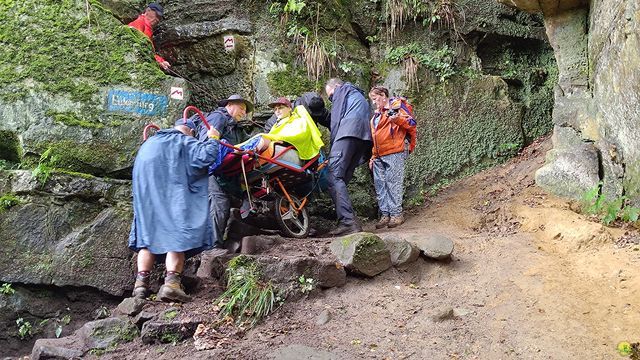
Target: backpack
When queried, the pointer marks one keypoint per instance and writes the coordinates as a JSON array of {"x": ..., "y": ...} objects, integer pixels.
[{"x": 401, "y": 103}]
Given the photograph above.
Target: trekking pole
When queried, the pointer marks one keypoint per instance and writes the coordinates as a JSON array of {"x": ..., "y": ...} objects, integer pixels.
[{"x": 246, "y": 183}]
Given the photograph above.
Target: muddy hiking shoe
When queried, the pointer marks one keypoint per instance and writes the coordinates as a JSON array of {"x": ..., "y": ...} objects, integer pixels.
[
  {"x": 396, "y": 221},
  {"x": 383, "y": 222},
  {"x": 172, "y": 290},
  {"x": 141, "y": 286},
  {"x": 343, "y": 229}
]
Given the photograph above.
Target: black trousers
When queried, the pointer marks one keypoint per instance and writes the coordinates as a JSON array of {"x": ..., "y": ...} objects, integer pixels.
[{"x": 345, "y": 156}]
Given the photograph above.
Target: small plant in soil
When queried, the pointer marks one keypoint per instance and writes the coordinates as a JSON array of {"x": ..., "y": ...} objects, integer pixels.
[
  {"x": 170, "y": 338},
  {"x": 596, "y": 204},
  {"x": 6, "y": 289},
  {"x": 170, "y": 315},
  {"x": 102, "y": 312},
  {"x": 24, "y": 329},
  {"x": 306, "y": 284},
  {"x": 248, "y": 298}
]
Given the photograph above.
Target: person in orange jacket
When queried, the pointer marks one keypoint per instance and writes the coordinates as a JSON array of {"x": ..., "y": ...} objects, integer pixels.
[
  {"x": 145, "y": 23},
  {"x": 394, "y": 135}
]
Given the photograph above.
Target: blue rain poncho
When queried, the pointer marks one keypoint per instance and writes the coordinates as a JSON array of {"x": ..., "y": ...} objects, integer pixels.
[{"x": 170, "y": 186}]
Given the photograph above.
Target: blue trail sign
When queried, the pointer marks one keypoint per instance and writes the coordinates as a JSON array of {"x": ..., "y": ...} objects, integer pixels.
[{"x": 136, "y": 102}]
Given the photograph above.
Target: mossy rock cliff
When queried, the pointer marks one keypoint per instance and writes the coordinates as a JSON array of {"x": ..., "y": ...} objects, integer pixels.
[{"x": 60, "y": 61}]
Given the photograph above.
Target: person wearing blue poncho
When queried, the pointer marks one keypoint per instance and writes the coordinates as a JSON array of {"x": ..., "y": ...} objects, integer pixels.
[{"x": 170, "y": 205}]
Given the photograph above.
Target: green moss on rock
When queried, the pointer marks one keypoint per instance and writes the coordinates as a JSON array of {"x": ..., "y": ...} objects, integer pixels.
[
  {"x": 73, "y": 158},
  {"x": 461, "y": 130},
  {"x": 290, "y": 82},
  {"x": 71, "y": 119},
  {"x": 61, "y": 48},
  {"x": 8, "y": 201}
]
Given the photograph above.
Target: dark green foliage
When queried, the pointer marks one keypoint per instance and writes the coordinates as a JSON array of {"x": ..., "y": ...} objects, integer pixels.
[{"x": 595, "y": 203}]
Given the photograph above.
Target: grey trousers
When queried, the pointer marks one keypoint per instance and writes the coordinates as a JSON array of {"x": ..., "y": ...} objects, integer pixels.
[
  {"x": 345, "y": 156},
  {"x": 219, "y": 210},
  {"x": 388, "y": 179}
]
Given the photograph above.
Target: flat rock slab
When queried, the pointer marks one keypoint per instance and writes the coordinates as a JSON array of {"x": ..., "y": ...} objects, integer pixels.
[
  {"x": 301, "y": 352},
  {"x": 363, "y": 253},
  {"x": 401, "y": 251},
  {"x": 433, "y": 246},
  {"x": 65, "y": 348},
  {"x": 101, "y": 334},
  {"x": 326, "y": 273},
  {"x": 169, "y": 327}
]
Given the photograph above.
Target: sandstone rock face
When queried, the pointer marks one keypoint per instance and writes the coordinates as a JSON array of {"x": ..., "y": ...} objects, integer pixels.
[
  {"x": 598, "y": 91},
  {"x": 362, "y": 253},
  {"x": 570, "y": 172},
  {"x": 70, "y": 231},
  {"x": 548, "y": 7}
]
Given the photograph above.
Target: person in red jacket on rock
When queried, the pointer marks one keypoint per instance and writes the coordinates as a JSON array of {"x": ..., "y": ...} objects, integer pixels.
[{"x": 145, "y": 23}]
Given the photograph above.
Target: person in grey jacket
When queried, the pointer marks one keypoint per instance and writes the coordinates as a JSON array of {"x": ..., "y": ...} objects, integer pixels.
[{"x": 351, "y": 144}]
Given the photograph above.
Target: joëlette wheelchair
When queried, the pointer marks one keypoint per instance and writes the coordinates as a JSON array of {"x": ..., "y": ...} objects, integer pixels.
[{"x": 276, "y": 182}]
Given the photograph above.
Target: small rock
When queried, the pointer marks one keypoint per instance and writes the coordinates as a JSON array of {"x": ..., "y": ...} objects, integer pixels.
[
  {"x": 443, "y": 314},
  {"x": 363, "y": 253},
  {"x": 434, "y": 246},
  {"x": 143, "y": 317},
  {"x": 401, "y": 251},
  {"x": 324, "y": 317},
  {"x": 101, "y": 334},
  {"x": 460, "y": 312},
  {"x": 65, "y": 348},
  {"x": 168, "y": 331},
  {"x": 130, "y": 306}
]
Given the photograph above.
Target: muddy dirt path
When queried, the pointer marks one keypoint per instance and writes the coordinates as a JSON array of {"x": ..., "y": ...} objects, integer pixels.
[{"x": 530, "y": 279}]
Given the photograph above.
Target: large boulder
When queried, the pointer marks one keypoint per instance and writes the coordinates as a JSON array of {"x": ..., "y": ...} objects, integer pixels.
[
  {"x": 363, "y": 253},
  {"x": 73, "y": 229},
  {"x": 571, "y": 172}
]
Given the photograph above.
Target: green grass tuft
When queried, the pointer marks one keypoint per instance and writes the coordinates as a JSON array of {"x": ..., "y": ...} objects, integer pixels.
[{"x": 247, "y": 299}]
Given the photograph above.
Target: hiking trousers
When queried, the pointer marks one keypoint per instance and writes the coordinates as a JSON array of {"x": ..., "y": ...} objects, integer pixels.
[
  {"x": 345, "y": 155},
  {"x": 219, "y": 210},
  {"x": 388, "y": 179}
]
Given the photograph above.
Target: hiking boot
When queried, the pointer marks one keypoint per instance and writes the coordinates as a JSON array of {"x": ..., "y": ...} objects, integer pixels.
[
  {"x": 343, "y": 229},
  {"x": 172, "y": 290},
  {"x": 383, "y": 222},
  {"x": 396, "y": 221},
  {"x": 140, "y": 292},
  {"x": 141, "y": 286}
]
